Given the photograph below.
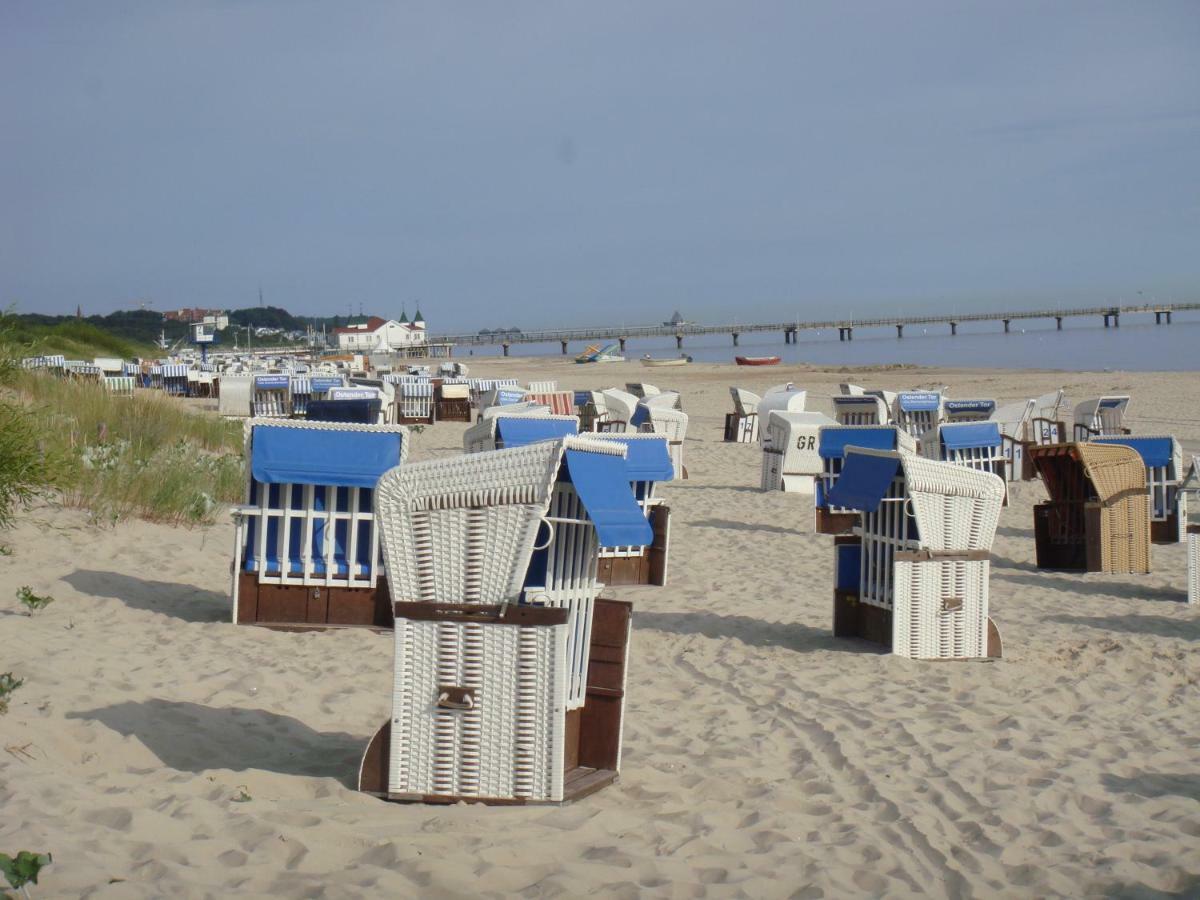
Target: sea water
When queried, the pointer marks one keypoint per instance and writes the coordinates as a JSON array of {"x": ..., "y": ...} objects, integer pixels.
[{"x": 1084, "y": 344}]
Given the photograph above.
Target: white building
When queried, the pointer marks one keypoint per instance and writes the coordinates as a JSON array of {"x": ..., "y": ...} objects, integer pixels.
[{"x": 378, "y": 335}]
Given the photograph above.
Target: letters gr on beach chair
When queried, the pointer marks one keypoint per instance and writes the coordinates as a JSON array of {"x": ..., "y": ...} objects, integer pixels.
[
  {"x": 120, "y": 385},
  {"x": 648, "y": 461},
  {"x": 741, "y": 425},
  {"x": 914, "y": 576},
  {"x": 1163, "y": 458},
  {"x": 1189, "y": 506},
  {"x": 860, "y": 409},
  {"x": 919, "y": 413},
  {"x": 453, "y": 400},
  {"x": 271, "y": 397},
  {"x": 790, "y": 461},
  {"x": 509, "y": 671},
  {"x": 973, "y": 445},
  {"x": 1098, "y": 516},
  {"x": 1103, "y": 417},
  {"x": 501, "y": 429},
  {"x": 662, "y": 418},
  {"x": 620, "y": 406},
  {"x": 306, "y": 549},
  {"x": 832, "y": 441}
]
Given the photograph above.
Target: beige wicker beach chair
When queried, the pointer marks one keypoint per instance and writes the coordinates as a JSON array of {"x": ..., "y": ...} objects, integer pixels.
[
  {"x": 1098, "y": 516},
  {"x": 306, "y": 550},
  {"x": 509, "y": 671},
  {"x": 1163, "y": 458},
  {"x": 914, "y": 575}
]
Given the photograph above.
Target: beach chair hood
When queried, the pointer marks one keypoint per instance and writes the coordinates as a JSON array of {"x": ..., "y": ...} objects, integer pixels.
[
  {"x": 1155, "y": 450},
  {"x": 647, "y": 456},
  {"x": 1112, "y": 469},
  {"x": 287, "y": 452}
]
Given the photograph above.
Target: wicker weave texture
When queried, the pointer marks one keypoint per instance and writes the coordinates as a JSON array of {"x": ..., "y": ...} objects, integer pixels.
[
  {"x": 1193, "y": 568},
  {"x": 510, "y": 743},
  {"x": 941, "y": 609}
]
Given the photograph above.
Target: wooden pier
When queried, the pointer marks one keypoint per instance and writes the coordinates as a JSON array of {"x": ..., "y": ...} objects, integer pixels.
[{"x": 790, "y": 330}]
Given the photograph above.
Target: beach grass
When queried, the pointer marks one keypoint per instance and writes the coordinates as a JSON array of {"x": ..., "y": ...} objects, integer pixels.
[{"x": 147, "y": 456}]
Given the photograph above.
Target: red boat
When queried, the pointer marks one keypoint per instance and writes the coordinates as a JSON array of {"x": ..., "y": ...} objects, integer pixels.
[{"x": 756, "y": 360}]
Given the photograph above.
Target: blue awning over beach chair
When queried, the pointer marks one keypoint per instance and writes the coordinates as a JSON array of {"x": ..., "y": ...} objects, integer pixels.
[
  {"x": 648, "y": 460},
  {"x": 864, "y": 481},
  {"x": 517, "y": 431},
  {"x": 1154, "y": 451},
  {"x": 602, "y": 482},
  {"x": 833, "y": 441},
  {"x": 970, "y": 434},
  {"x": 285, "y": 455}
]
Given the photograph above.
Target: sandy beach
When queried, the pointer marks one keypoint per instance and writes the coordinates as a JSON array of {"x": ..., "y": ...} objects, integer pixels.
[{"x": 158, "y": 750}]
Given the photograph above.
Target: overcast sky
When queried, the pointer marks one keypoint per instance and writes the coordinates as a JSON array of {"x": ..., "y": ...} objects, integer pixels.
[{"x": 583, "y": 163}]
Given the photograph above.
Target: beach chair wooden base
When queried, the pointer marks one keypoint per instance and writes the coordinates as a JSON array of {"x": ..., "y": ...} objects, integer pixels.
[
  {"x": 1165, "y": 531},
  {"x": 453, "y": 410},
  {"x": 415, "y": 420},
  {"x": 852, "y": 619},
  {"x": 827, "y": 522},
  {"x": 649, "y": 567},
  {"x": 296, "y": 607},
  {"x": 592, "y": 744},
  {"x": 1083, "y": 537}
]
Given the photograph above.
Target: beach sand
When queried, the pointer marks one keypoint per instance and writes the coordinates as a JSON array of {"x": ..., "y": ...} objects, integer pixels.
[{"x": 762, "y": 757}]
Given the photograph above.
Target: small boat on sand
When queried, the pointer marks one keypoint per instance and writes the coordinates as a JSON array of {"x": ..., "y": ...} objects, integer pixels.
[
  {"x": 757, "y": 360},
  {"x": 594, "y": 354},
  {"x": 648, "y": 360}
]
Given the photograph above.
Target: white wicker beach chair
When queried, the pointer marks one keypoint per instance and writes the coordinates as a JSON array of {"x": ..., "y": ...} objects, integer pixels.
[
  {"x": 306, "y": 550},
  {"x": 973, "y": 445},
  {"x": 851, "y": 390},
  {"x": 1163, "y": 458},
  {"x": 620, "y": 406},
  {"x": 860, "y": 409},
  {"x": 781, "y": 397},
  {"x": 663, "y": 400},
  {"x": 499, "y": 429},
  {"x": 832, "y": 441},
  {"x": 1103, "y": 417},
  {"x": 509, "y": 671},
  {"x": 741, "y": 425},
  {"x": 668, "y": 421},
  {"x": 641, "y": 390},
  {"x": 915, "y": 575},
  {"x": 648, "y": 459},
  {"x": 919, "y": 413},
  {"x": 790, "y": 461},
  {"x": 272, "y": 396}
]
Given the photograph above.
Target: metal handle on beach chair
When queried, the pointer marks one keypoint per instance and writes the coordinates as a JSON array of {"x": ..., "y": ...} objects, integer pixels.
[{"x": 455, "y": 697}]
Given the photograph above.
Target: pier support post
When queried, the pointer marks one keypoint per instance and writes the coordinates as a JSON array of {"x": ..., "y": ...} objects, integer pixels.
[
  {"x": 1106, "y": 320},
  {"x": 1058, "y": 320},
  {"x": 622, "y": 341},
  {"x": 735, "y": 338},
  {"x": 1168, "y": 317},
  {"x": 1116, "y": 320},
  {"x": 841, "y": 334},
  {"x": 953, "y": 328},
  {"x": 505, "y": 347},
  {"x": 899, "y": 331},
  {"x": 679, "y": 342},
  {"x": 1157, "y": 317},
  {"x": 564, "y": 346},
  {"x": 1006, "y": 321}
]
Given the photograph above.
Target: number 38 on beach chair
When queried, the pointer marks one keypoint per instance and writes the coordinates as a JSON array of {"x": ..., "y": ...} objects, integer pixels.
[
  {"x": 914, "y": 574},
  {"x": 306, "y": 550},
  {"x": 509, "y": 671}
]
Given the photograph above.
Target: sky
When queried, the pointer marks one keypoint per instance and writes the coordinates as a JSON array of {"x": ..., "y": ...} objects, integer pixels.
[{"x": 558, "y": 164}]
